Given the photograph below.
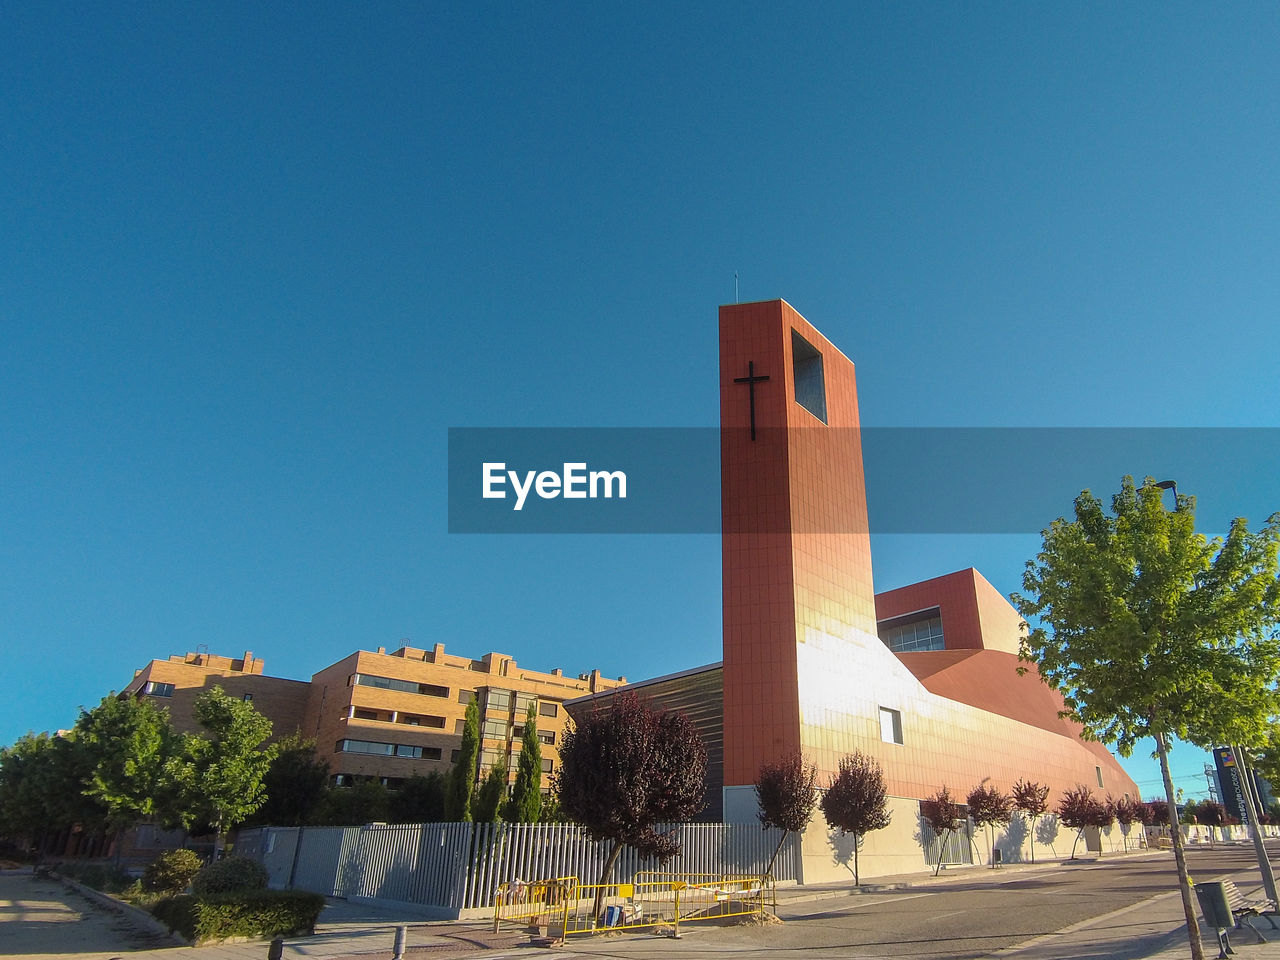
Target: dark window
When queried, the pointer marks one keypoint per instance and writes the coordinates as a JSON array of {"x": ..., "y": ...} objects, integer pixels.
[
  {"x": 546, "y": 766},
  {"x": 547, "y": 736},
  {"x": 806, "y": 365},
  {"x": 1099, "y": 769},
  {"x": 154, "y": 689},
  {"x": 913, "y": 633},
  {"x": 247, "y": 698},
  {"x": 466, "y": 696},
  {"x": 366, "y": 714},
  {"x": 548, "y": 709},
  {"x": 454, "y": 755},
  {"x": 404, "y": 686}
]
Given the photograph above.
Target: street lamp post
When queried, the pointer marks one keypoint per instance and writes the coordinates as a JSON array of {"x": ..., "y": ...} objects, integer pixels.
[{"x": 1255, "y": 827}]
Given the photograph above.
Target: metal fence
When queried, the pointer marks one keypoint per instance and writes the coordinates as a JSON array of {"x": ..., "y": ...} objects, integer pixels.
[{"x": 449, "y": 868}]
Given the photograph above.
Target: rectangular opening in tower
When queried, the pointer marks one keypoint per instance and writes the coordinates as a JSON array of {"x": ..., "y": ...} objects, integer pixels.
[{"x": 806, "y": 365}]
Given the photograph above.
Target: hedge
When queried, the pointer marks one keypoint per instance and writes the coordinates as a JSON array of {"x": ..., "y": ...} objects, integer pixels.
[{"x": 258, "y": 913}]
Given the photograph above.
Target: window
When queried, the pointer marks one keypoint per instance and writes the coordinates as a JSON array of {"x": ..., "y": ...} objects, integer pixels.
[
  {"x": 921, "y": 632},
  {"x": 405, "y": 750},
  {"x": 404, "y": 686},
  {"x": 547, "y": 736},
  {"x": 890, "y": 725},
  {"x": 806, "y": 365},
  {"x": 489, "y": 757},
  {"x": 466, "y": 696},
  {"x": 498, "y": 701},
  {"x": 153, "y": 689},
  {"x": 366, "y": 715},
  {"x": 1099, "y": 770},
  {"x": 454, "y": 755},
  {"x": 247, "y": 698},
  {"x": 548, "y": 709},
  {"x": 522, "y": 702},
  {"x": 365, "y": 746},
  {"x": 546, "y": 766},
  {"x": 415, "y": 720},
  {"x": 494, "y": 730}
]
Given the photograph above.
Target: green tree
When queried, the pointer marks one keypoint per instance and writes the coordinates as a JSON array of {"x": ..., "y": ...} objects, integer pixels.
[
  {"x": 128, "y": 746},
  {"x": 787, "y": 792},
  {"x": 462, "y": 779},
  {"x": 856, "y": 800},
  {"x": 294, "y": 784},
  {"x": 420, "y": 799},
  {"x": 489, "y": 798},
  {"x": 525, "y": 805},
  {"x": 367, "y": 801},
  {"x": 220, "y": 772},
  {"x": 1151, "y": 630},
  {"x": 42, "y": 790}
]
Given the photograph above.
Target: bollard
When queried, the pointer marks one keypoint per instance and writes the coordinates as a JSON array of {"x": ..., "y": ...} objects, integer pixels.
[
  {"x": 276, "y": 950},
  {"x": 402, "y": 932}
]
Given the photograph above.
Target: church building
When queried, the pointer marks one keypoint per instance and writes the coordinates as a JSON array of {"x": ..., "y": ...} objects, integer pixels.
[{"x": 923, "y": 678}]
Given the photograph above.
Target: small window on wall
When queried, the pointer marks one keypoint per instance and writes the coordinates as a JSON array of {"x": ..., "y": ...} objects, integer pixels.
[
  {"x": 155, "y": 689},
  {"x": 806, "y": 367},
  {"x": 546, "y": 766},
  {"x": 548, "y": 709},
  {"x": 466, "y": 696},
  {"x": 890, "y": 725},
  {"x": 1099, "y": 771}
]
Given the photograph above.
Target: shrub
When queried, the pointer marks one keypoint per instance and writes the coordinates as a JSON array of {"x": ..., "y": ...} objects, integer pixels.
[
  {"x": 256, "y": 913},
  {"x": 101, "y": 876},
  {"x": 172, "y": 871},
  {"x": 230, "y": 875}
]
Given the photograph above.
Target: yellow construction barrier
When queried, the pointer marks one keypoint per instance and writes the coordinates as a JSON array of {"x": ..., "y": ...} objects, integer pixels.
[
  {"x": 567, "y": 908},
  {"x": 537, "y": 903}
]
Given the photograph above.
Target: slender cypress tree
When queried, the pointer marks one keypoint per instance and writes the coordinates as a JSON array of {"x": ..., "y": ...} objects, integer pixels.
[
  {"x": 525, "y": 805},
  {"x": 462, "y": 779}
]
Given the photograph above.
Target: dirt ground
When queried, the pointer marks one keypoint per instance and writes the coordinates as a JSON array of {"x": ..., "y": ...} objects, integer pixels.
[{"x": 41, "y": 917}]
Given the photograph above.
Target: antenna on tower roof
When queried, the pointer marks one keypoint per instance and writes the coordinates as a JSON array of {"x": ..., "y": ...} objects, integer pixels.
[{"x": 735, "y": 287}]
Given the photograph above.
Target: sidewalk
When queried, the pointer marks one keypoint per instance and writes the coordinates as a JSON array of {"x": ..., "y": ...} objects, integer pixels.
[{"x": 36, "y": 916}]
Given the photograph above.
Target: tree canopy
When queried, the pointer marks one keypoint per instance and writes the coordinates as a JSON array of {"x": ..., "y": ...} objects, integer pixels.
[
  {"x": 626, "y": 768},
  {"x": 1150, "y": 629},
  {"x": 220, "y": 772},
  {"x": 525, "y": 805},
  {"x": 856, "y": 801},
  {"x": 462, "y": 778},
  {"x": 787, "y": 791}
]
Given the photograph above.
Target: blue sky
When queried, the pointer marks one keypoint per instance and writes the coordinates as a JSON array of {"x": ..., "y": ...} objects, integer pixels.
[{"x": 255, "y": 260}]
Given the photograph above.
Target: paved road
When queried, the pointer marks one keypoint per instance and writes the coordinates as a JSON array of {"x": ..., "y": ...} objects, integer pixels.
[{"x": 1019, "y": 917}]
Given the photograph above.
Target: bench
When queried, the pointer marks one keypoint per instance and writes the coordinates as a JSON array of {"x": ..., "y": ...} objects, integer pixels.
[{"x": 1243, "y": 908}]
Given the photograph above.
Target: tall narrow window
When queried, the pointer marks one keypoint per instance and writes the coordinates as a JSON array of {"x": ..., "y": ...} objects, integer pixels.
[
  {"x": 806, "y": 368},
  {"x": 890, "y": 725}
]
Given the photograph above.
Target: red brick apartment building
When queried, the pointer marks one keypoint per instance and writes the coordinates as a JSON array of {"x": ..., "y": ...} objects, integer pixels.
[{"x": 385, "y": 715}]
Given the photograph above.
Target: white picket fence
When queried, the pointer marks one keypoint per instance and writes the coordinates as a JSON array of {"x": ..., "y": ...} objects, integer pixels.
[{"x": 454, "y": 869}]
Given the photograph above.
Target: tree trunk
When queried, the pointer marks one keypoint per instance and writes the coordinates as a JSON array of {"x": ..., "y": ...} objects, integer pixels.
[
  {"x": 1031, "y": 837},
  {"x": 1179, "y": 854},
  {"x": 1079, "y": 834},
  {"x": 604, "y": 879},
  {"x": 942, "y": 844},
  {"x": 768, "y": 871},
  {"x": 856, "y": 839}
]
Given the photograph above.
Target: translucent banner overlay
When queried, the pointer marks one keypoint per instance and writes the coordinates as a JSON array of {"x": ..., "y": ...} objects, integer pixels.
[{"x": 918, "y": 480}]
